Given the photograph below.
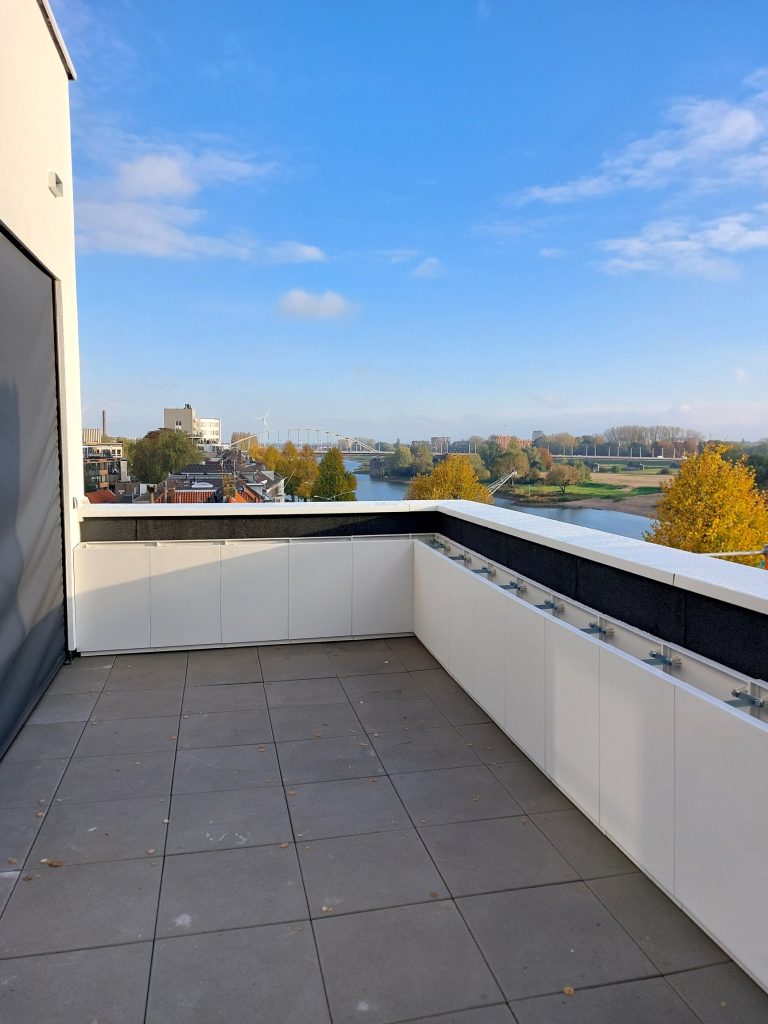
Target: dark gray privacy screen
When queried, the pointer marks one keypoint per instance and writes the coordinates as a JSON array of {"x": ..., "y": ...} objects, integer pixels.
[{"x": 32, "y": 624}]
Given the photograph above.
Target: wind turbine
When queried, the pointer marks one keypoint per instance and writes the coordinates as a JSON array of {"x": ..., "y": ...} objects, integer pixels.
[{"x": 264, "y": 421}]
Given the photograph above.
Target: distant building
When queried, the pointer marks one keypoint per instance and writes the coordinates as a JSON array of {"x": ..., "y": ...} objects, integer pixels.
[
  {"x": 536, "y": 434},
  {"x": 502, "y": 440},
  {"x": 92, "y": 435},
  {"x": 439, "y": 444},
  {"x": 104, "y": 465},
  {"x": 203, "y": 430}
]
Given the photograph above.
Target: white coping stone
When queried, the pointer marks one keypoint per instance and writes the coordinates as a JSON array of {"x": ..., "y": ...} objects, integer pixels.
[{"x": 725, "y": 581}]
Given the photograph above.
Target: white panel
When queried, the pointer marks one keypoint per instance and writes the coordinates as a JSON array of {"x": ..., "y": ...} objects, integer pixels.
[
  {"x": 112, "y": 597},
  {"x": 320, "y": 589},
  {"x": 382, "y": 586},
  {"x": 573, "y": 705},
  {"x": 431, "y": 607},
  {"x": 721, "y": 837},
  {"x": 462, "y": 589},
  {"x": 490, "y": 608},
  {"x": 254, "y": 592},
  {"x": 525, "y": 708},
  {"x": 637, "y": 800},
  {"x": 185, "y": 594}
]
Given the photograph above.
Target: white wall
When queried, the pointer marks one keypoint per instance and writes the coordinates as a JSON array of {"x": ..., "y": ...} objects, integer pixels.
[{"x": 35, "y": 133}]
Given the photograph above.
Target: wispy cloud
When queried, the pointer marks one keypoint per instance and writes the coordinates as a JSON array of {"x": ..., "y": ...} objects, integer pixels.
[
  {"x": 430, "y": 267},
  {"x": 552, "y": 252},
  {"x": 399, "y": 255},
  {"x": 706, "y": 249},
  {"x": 706, "y": 143},
  {"x": 306, "y": 305}
]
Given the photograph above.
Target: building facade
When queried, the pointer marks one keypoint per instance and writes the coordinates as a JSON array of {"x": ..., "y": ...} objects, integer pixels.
[{"x": 205, "y": 430}]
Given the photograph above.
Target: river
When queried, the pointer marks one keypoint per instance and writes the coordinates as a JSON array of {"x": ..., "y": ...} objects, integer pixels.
[{"x": 596, "y": 519}]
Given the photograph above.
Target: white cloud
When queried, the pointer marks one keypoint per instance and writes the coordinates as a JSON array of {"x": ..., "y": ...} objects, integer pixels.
[
  {"x": 707, "y": 143},
  {"x": 704, "y": 250},
  {"x": 399, "y": 255},
  {"x": 305, "y": 305},
  {"x": 293, "y": 252},
  {"x": 429, "y": 268},
  {"x": 552, "y": 252}
]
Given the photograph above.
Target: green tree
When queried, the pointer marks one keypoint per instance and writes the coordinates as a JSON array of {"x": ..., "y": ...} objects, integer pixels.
[
  {"x": 160, "y": 453},
  {"x": 481, "y": 470},
  {"x": 712, "y": 505},
  {"x": 333, "y": 481},
  {"x": 454, "y": 477},
  {"x": 562, "y": 476},
  {"x": 400, "y": 462},
  {"x": 423, "y": 459},
  {"x": 299, "y": 470}
]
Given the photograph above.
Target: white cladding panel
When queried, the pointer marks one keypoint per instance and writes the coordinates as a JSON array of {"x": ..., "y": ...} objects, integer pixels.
[
  {"x": 382, "y": 586},
  {"x": 462, "y": 591},
  {"x": 490, "y": 608},
  {"x": 573, "y": 710},
  {"x": 721, "y": 826},
  {"x": 254, "y": 592},
  {"x": 112, "y": 597},
  {"x": 185, "y": 594},
  {"x": 320, "y": 589},
  {"x": 525, "y": 711},
  {"x": 431, "y": 601},
  {"x": 637, "y": 762}
]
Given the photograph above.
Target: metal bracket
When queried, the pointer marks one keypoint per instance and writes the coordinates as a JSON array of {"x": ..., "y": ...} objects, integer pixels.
[
  {"x": 658, "y": 658},
  {"x": 597, "y": 630},
  {"x": 458, "y": 558},
  {"x": 552, "y": 606},
  {"x": 485, "y": 571},
  {"x": 744, "y": 699},
  {"x": 519, "y": 587}
]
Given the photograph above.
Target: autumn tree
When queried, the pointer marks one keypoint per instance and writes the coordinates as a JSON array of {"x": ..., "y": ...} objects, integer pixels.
[
  {"x": 423, "y": 459},
  {"x": 400, "y": 462},
  {"x": 563, "y": 476},
  {"x": 298, "y": 469},
  {"x": 454, "y": 477},
  {"x": 334, "y": 482},
  {"x": 712, "y": 505},
  {"x": 160, "y": 453}
]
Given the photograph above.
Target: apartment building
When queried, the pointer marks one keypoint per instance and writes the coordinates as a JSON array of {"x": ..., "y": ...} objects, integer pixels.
[{"x": 206, "y": 430}]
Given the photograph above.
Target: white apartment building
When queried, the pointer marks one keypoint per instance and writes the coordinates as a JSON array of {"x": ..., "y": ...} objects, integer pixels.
[{"x": 206, "y": 430}]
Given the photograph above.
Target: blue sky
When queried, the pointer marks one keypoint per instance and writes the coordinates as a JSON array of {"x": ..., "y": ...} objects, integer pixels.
[{"x": 411, "y": 218}]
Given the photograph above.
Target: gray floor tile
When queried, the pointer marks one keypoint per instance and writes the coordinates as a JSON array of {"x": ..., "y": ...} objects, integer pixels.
[
  {"x": 490, "y": 744},
  {"x": 582, "y": 845},
  {"x": 398, "y": 684},
  {"x": 423, "y": 749},
  {"x": 665, "y": 934},
  {"x": 297, "y": 692},
  {"x": 411, "y": 653},
  {"x": 435, "y": 680},
  {"x": 350, "y": 807},
  {"x": 363, "y": 658},
  {"x": 114, "y": 704},
  {"x": 205, "y": 892},
  {"x": 295, "y": 661},
  {"x": 459, "y": 709},
  {"x": 500, "y": 1014},
  {"x": 531, "y": 788},
  {"x": 389, "y": 965},
  {"x": 63, "y": 707},
  {"x": 128, "y": 736},
  {"x": 117, "y": 777},
  {"x": 208, "y": 769},
  {"x": 391, "y": 714},
  {"x": 234, "y": 697},
  {"x": 539, "y": 940},
  {"x": 18, "y": 828},
  {"x": 266, "y": 975},
  {"x": 148, "y": 671},
  {"x": 454, "y": 794},
  {"x": 30, "y": 784},
  {"x": 314, "y": 721},
  {"x": 106, "y": 830},
  {"x": 84, "y": 675},
  {"x": 324, "y": 760},
  {"x": 228, "y": 820},
  {"x": 81, "y": 905},
  {"x": 225, "y": 729},
  {"x": 228, "y": 665},
  {"x": 499, "y": 853},
  {"x": 9, "y": 876},
  {"x": 634, "y": 1002},
  {"x": 35, "y": 742},
  {"x": 69, "y": 988},
  {"x": 722, "y": 995},
  {"x": 366, "y": 872}
]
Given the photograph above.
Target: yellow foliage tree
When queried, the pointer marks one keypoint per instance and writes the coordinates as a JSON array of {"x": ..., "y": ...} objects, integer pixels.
[
  {"x": 712, "y": 505},
  {"x": 454, "y": 477}
]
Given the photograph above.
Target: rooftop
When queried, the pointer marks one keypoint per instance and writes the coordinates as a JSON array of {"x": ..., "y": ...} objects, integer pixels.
[{"x": 318, "y": 832}]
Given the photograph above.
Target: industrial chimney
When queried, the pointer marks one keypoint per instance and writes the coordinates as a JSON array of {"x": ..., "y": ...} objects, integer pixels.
[{"x": 103, "y": 422}]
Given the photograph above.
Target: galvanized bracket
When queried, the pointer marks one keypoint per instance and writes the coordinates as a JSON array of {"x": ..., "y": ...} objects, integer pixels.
[
  {"x": 519, "y": 587},
  {"x": 744, "y": 699},
  {"x": 659, "y": 658},
  {"x": 596, "y": 629},
  {"x": 552, "y": 606}
]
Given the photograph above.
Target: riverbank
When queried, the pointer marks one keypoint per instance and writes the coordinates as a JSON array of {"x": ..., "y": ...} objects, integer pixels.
[{"x": 637, "y": 505}]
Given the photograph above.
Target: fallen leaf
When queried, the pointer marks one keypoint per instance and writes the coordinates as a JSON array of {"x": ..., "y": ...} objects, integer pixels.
[
  {"x": 172, "y": 737},
  {"x": 55, "y": 863},
  {"x": 150, "y": 851},
  {"x": 284, "y": 846},
  {"x": 291, "y": 792},
  {"x": 327, "y": 910},
  {"x": 13, "y": 860},
  {"x": 27, "y": 878},
  {"x": 261, "y": 749},
  {"x": 40, "y": 814},
  {"x": 434, "y": 895},
  {"x": 569, "y": 990}
]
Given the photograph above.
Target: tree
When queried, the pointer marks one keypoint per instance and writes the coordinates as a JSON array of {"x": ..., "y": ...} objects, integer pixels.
[
  {"x": 400, "y": 462},
  {"x": 712, "y": 505},
  {"x": 333, "y": 481},
  {"x": 479, "y": 467},
  {"x": 160, "y": 453},
  {"x": 423, "y": 459},
  {"x": 454, "y": 477},
  {"x": 299, "y": 470},
  {"x": 562, "y": 476}
]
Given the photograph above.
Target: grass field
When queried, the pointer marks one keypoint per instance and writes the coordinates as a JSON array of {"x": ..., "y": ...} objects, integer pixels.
[{"x": 630, "y": 486}]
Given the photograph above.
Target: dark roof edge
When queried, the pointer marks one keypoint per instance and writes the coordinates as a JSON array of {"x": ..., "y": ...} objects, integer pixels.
[{"x": 58, "y": 41}]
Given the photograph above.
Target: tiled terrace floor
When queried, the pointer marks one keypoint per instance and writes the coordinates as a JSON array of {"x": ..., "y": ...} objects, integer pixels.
[{"x": 293, "y": 835}]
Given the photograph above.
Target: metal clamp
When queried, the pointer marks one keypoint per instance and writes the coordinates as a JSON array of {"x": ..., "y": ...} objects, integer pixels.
[
  {"x": 745, "y": 699},
  {"x": 485, "y": 571},
  {"x": 552, "y": 606},
  {"x": 597, "y": 630},
  {"x": 519, "y": 587},
  {"x": 659, "y": 658}
]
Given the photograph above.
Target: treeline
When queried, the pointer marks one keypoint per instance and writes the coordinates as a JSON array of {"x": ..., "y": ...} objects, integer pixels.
[
  {"x": 486, "y": 457},
  {"x": 626, "y": 439}
]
